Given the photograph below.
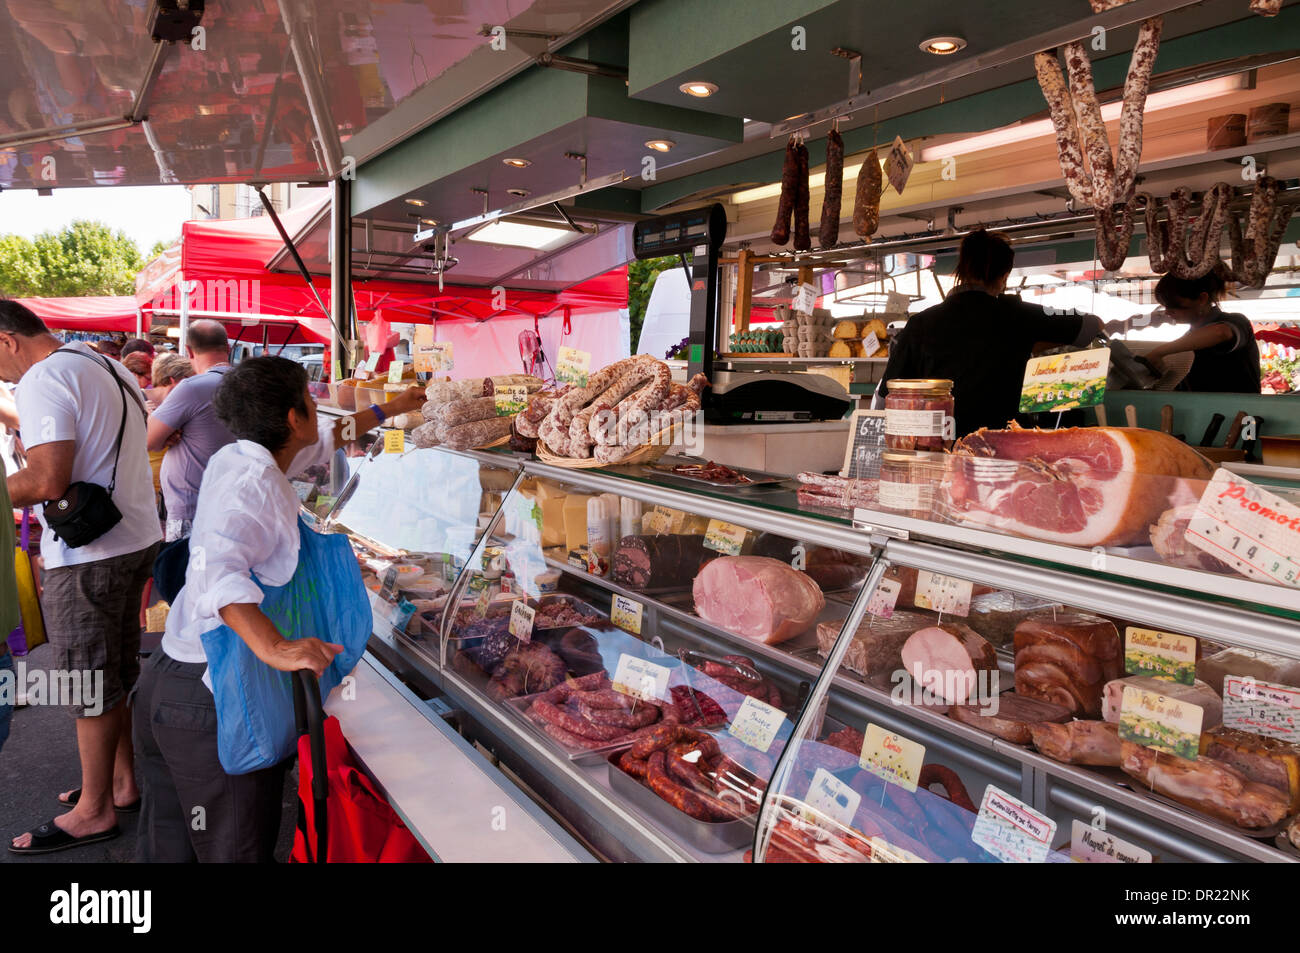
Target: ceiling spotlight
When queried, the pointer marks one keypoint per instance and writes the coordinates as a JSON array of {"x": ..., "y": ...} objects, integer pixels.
[
  {"x": 943, "y": 45},
  {"x": 518, "y": 193},
  {"x": 418, "y": 203},
  {"x": 698, "y": 89},
  {"x": 428, "y": 221},
  {"x": 518, "y": 163},
  {"x": 660, "y": 145}
]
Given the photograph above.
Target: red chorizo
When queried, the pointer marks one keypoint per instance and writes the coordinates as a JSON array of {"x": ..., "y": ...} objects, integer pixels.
[
  {"x": 956, "y": 791},
  {"x": 555, "y": 715},
  {"x": 631, "y": 765}
]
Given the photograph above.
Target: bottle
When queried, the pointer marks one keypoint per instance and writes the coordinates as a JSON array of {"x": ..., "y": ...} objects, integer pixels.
[
  {"x": 600, "y": 541},
  {"x": 613, "y": 507},
  {"x": 629, "y": 521}
]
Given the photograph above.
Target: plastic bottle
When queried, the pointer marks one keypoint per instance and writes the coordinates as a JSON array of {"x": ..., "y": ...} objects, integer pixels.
[
  {"x": 613, "y": 504},
  {"x": 600, "y": 542},
  {"x": 629, "y": 521}
]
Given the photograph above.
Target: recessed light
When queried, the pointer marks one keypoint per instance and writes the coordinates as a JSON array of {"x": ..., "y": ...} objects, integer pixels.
[
  {"x": 418, "y": 203},
  {"x": 698, "y": 89},
  {"x": 660, "y": 145},
  {"x": 518, "y": 163},
  {"x": 428, "y": 221},
  {"x": 518, "y": 193},
  {"x": 943, "y": 45}
]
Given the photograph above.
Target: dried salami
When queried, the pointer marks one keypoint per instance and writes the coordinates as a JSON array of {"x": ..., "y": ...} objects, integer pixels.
[
  {"x": 477, "y": 433},
  {"x": 1135, "y": 99},
  {"x": 785, "y": 206},
  {"x": 1070, "y": 152},
  {"x": 829, "y": 233},
  {"x": 1092, "y": 128},
  {"x": 802, "y": 238},
  {"x": 866, "y": 202}
]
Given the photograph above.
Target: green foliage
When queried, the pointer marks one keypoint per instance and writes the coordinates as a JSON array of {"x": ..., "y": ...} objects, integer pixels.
[
  {"x": 641, "y": 277},
  {"x": 85, "y": 258},
  {"x": 159, "y": 247}
]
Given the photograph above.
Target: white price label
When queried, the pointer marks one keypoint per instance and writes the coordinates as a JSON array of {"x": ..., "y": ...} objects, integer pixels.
[
  {"x": 395, "y": 370},
  {"x": 303, "y": 489},
  {"x": 521, "y": 620},
  {"x": 942, "y": 593},
  {"x": 805, "y": 298},
  {"x": 1252, "y": 530},
  {"x": 1090, "y": 845},
  {"x": 1262, "y": 707},
  {"x": 897, "y": 303},
  {"x": 756, "y": 723},
  {"x": 914, "y": 423},
  {"x": 1011, "y": 830},
  {"x": 870, "y": 345},
  {"x": 884, "y": 599},
  {"x": 626, "y": 614},
  {"x": 641, "y": 678},
  {"x": 832, "y": 798}
]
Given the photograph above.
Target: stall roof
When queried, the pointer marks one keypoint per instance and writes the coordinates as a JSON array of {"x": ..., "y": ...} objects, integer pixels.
[{"x": 91, "y": 313}]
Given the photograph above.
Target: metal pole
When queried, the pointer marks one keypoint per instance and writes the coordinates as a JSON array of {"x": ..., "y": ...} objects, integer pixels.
[
  {"x": 341, "y": 273},
  {"x": 139, "y": 323},
  {"x": 183, "y": 341}
]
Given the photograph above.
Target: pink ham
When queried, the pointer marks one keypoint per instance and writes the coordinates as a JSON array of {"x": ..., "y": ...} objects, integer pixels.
[
  {"x": 1082, "y": 486},
  {"x": 760, "y": 598},
  {"x": 947, "y": 660}
]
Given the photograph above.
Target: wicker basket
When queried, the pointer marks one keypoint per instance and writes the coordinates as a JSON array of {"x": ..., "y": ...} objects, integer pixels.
[{"x": 649, "y": 453}]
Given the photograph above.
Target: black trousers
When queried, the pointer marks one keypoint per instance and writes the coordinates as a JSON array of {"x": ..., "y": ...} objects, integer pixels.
[{"x": 191, "y": 809}]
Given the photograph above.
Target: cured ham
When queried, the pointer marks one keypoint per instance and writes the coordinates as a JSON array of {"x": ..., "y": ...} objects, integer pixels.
[
  {"x": 1067, "y": 658},
  {"x": 1081, "y": 486},
  {"x": 1207, "y": 785},
  {"x": 760, "y": 598},
  {"x": 1079, "y": 742},
  {"x": 947, "y": 659},
  {"x": 1012, "y": 719}
]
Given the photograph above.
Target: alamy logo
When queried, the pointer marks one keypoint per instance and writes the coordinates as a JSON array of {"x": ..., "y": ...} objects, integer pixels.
[
  {"x": 98, "y": 907},
  {"x": 66, "y": 688}
]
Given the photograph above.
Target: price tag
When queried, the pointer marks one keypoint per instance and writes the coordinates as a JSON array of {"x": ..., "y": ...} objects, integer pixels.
[
  {"x": 511, "y": 399},
  {"x": 725, "y": 538},
  {"x": 942, "y": 593},
  {"x": 805, "y": 298},
  {"x": 891, "y": 756},
  {"x": 898, "y": 164},
  {"x": 573, "y": 367},
  {"x": 1090, "y": 845},
  {"x": 883, "y": 852},
  {"x": 303, "y": 489},
  {"x": 830, "y": 797},
  {"x": 1252, "y": 530},
  {"x": 521, "y": 620},
  {"x": 388, "y": 583},
  {"x": 422, "y": 348},
  {"x": 897, "y": 304},
  {"x": 1011, "y": 830},
  {"x": 530, "y": 515},
  {"x": 371, "y": 363},
  {"x": 1065, "y": 381},
  {"x": 884, "y": 599},
  {"x": 641, "y": 678},
  {"x": 443, "y": 357},
  {"x": 662, "y": 519},
  {"x": 866, "y": 444},
  {"x": 756, "y": 723},
  {"x": 1262, "y": 707},
  {"x": 395, "y": 371},
  {"x": 1160, "y": 654},
  {"x": 1158, "y": 721},
  {"x": 481, "y": 604},
  {"x": 626, "y": 614},
  {"x": 870, "y": 345},
  {"x": 394, "y": 441},
  {"x": 324, "y": 503}
]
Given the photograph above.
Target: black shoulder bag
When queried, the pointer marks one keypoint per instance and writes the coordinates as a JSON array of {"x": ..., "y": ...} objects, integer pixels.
[{"x": 86, "y": 511}]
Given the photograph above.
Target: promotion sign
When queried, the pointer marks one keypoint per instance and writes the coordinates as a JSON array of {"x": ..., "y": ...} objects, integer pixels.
[
  {"x": 1065, "y": 381},
  {"x": 1254, "y": 531}
]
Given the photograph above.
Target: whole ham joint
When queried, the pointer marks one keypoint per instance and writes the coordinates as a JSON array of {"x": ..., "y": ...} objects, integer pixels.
[
  {"x": 1081, "y": 486},
  {"x": 757, "y": 597},
  {"x": 947, "y": 660},
  {"x": 1067, "y": 658}
]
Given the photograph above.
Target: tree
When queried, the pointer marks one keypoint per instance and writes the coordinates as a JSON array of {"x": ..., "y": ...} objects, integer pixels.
[
  {"x": 85, "y": 258},
  {"x": 641, "y": 277},
  {"x": 159, "y": 247}
]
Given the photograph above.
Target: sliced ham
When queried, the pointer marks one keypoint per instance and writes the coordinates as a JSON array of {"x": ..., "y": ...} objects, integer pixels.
[
  {"x": 1198, "y": 693},
  {"x": 946, "y": 659},
  {"x": 1011, "y": 718},
  {"x": 1067, "y": 658},
  {"x": 760, "y": 598},
  {"x": 1082, "y": 486},
  {"x": 1079, "y": 742}
]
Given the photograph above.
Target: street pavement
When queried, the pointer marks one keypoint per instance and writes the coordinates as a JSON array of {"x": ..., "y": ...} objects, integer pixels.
[{"x": 40, "y": 760}]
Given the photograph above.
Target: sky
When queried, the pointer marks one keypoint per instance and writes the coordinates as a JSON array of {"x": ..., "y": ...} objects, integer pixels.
[{"x": 146, "y": 213}]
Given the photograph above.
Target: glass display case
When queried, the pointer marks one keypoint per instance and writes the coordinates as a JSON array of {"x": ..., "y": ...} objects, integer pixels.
[{"x": 684, "y": 671}]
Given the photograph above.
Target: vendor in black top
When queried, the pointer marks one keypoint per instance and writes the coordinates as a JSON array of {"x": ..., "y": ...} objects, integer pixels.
[
  {"x": 1226, "y": 356},
  {"x": 980, "y": 338}
]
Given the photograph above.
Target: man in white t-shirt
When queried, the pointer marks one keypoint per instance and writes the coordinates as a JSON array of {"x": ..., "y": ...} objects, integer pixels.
[{"x": 72, "y": 405}]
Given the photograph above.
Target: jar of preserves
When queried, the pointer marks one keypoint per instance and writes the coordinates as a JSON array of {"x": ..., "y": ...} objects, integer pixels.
[
  {"x": 918, "y": 414},
  {"x": 908, "y": 480}
]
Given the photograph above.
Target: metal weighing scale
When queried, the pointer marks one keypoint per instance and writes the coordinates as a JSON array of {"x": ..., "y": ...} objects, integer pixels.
[{"x": 735, "y": 397}]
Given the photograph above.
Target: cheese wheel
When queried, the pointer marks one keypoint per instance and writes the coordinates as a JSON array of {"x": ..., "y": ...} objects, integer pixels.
[
  {"x": 877, "y": 327},
  {"x": 846, "y": 330},
  {"x": 843, "y": 349}
]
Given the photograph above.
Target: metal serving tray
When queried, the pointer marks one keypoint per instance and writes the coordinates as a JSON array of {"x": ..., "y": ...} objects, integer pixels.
[
  {"x": 711, "y": 837},
  {"x": 519, "y": 708}
]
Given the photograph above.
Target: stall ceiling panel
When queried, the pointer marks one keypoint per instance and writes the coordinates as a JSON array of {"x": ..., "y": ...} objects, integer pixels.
[{"x": 232, "y": 104}]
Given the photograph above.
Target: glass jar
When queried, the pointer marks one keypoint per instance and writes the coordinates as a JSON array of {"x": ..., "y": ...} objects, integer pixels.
[
  {"x": 916, "y": 414},
  {"x": 908, "y": 480}
]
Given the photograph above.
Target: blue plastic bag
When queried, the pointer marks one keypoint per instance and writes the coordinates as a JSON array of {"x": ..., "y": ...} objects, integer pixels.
[{"x": 325, "y": 599}]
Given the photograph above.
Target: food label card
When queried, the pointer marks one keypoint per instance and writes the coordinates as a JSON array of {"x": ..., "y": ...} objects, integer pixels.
[
  {"x": 882, "y": 601},
  {"x": 510, "y": 399},
  {"x": 641, "y": 678},
  {"x": 573, "y": 366},
  {"x": 388, "y": 584},
  {"x": 1160, "y": 654},
  {"x": 1091, "y": 845},
  {"x": 1262, "y": 707},
  {"x": 756, "y": 723},
  {"x": 805, "y": 298},
  {"x": 898, "y": 165},
  {"x": 1065, "y": 381},
  {"x": 521, "y": 620},
  {"x": 626, "y": 614},
  {"x": 725, "y": 538},
  {"x": 661, "y": 520},
  {"x": 1158, "y": 721},
  {"x": 831, "y": 797},
  {"x": 1011, "y": 830},
  {"x": 866, "y": 444},
  {"x": 303, "y": 489},
  {"x": 870, "y": 345},
  {"x": 394, "y": 441},
  {"x": 942, "y": 593},
  {"x": 892, "y": 757},
  {"x": 1252, "y": 530},
  {"x": 395, "y": 370}
]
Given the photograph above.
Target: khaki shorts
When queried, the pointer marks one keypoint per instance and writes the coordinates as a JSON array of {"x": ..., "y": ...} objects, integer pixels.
[{"x": 92, "y": 621}]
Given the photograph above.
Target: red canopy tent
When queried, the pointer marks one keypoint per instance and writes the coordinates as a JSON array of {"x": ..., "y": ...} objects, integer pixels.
[{"x": 93, "y": 313}]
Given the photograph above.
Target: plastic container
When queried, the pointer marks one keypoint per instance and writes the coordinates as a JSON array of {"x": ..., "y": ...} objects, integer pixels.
[
  {"x": 916, "y": 412},
  {"x": 907, "y": 481},
  {"x": 629, "y": 517},
  {"x": 600, "y": 539},
  {"x": 548, "y": 581}
]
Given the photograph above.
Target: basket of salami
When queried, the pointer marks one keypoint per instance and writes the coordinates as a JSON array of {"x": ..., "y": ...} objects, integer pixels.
[
  {"x": 628, "y": 412},
  {"x": 471, "y": 413}
]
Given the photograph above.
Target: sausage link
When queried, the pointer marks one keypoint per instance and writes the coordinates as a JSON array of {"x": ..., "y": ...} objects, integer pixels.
[
  {"x": 636, "y": 717},
  {"x": 785, "y": 206},
  {"x": 1057, "y": 93},
  {"x": 665, "y": 735},
  {"x": 1092, "y": 128},
  {"x": 1136, "y": 84},
  {"x": 582, "y": 430},
  {"x": 866, "y": 201},
  {"x": 937, "y": 773},
  {"x": 633, "y": 766},
  {"x": 802, "y": 239},
  {"x": 829, "y": 233}
]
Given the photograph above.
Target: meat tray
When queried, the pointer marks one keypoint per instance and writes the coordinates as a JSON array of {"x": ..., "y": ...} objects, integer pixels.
[
  {"x": 711, "y": 837},
  {"x": 752, "y": 477},
  {"x": 1269, "y": 833},
  {"x": 576, "y": 604},
  {"x": 519, "y": 708}
]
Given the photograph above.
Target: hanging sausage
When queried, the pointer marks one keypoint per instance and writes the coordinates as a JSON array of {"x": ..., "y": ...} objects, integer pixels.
[
  {"x": 829, "y": 233},
  {"x": 785, "y": 207}
]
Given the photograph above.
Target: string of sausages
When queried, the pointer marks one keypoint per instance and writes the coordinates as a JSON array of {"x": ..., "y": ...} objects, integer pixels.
[
  {"x": 792, "y": 206},
  {"x": 1254, "y": 252},
  {"x": 1265, "y": 8}
]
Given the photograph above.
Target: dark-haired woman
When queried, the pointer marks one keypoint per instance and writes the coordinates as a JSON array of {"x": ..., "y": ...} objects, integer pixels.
[
  {"x": 980, "y": 338},
  {"x": 1226, "y": 355},
  {"x": 245, "y": 526}
]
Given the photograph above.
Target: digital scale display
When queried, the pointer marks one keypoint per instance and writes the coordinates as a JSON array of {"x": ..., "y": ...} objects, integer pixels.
[{"x": 680, "y": 232}]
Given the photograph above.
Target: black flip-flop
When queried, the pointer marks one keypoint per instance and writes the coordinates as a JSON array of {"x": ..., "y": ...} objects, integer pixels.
[
  {"x": 75, "y": 796},
  {"x": 49, "y": 838}
]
